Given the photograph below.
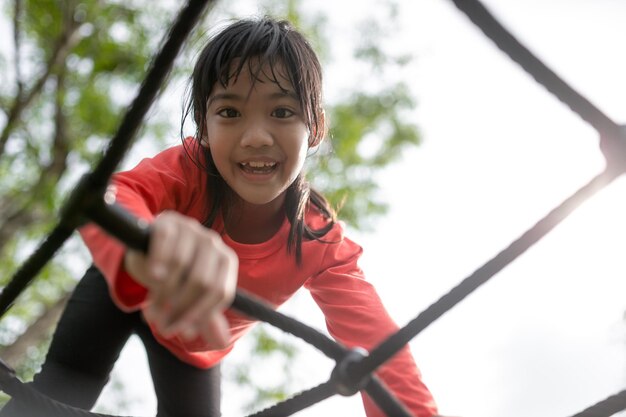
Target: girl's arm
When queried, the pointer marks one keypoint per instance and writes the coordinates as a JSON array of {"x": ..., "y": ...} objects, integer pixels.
[
  {"x": 355, "y": 316},
  {"x": 168, "y": 181},
  {"x": 189, "y": 275}
]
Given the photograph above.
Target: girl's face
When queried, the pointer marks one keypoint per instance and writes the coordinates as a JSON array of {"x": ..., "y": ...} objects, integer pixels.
[{"x": 257, "y": 135}]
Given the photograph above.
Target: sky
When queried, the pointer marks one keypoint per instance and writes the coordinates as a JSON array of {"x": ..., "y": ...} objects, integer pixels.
[{"x": 547, "y": 335}]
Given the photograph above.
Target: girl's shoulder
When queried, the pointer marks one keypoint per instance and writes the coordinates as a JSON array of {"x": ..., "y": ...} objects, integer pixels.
[
  {"x": 180, "y": 160},
  {"x": 334, "y": 248},
  {"x": 183, "y": 154}
]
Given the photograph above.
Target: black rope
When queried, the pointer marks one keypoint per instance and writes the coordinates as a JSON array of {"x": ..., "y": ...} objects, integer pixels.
[
  {"x": 612, "y": 135},
  {"x": 33, "y": 265},
  {"x": 31, "y": 403},
  {"x": 383, "y": 398},
  {"x": 299, "y": 402},
  {"x": 605, "y": 408},
  {"x": 375, "y": 389},
  {"x": 494, "y": 30},
  {"x": 72, "y": 212},
  {"x": 159, "y": 70},
  {"x": 396, "y": 341},
  {"x": 255, "y": 308}
]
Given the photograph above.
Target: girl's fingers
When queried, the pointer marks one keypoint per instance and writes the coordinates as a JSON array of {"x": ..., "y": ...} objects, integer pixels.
[
  {"x": 213, "y": 329},
  {"x": 194, "y": 277},
  {"x": 172, "y": 249},
  {"x": 210, "y": 284},
  {"x": 163, "y": 240},
  {"x": 216, "y": 331}
]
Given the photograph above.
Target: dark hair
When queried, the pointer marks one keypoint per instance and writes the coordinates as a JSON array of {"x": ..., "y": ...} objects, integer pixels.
[{"x": 278, "y": 45}]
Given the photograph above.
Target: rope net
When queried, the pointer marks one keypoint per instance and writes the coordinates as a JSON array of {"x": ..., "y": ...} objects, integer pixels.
[{"x": 353, "y": 370}]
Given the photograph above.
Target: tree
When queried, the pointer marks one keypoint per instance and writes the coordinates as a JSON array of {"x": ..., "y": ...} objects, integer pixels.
[
  {"x": 64, "y": 91},
  {"x": 68, "y": 75}
]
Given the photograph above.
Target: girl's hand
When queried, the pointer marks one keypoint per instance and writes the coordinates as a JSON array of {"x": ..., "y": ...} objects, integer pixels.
[{"x": 191, "y": 277}]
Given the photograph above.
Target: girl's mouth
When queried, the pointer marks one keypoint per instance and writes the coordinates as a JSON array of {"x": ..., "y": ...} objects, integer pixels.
[{"x": 258, "y": 167}]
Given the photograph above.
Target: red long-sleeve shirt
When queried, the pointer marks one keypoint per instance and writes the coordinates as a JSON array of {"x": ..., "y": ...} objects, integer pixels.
[{"x": 355, "y": 315}]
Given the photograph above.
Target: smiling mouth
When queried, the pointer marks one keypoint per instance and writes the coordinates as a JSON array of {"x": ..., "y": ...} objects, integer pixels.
[{"x": 258, "y": 167}]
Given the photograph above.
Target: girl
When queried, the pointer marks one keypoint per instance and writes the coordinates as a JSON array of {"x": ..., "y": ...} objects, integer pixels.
[{"x": 230, "y": 208}]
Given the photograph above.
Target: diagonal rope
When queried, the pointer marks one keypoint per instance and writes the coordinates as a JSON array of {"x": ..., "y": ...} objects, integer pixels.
[
  {"x": 605, "y": 408},
  {"x": 160, "y": 68},
  {"x": 396, "y": 341},
  {"x": 299, "y": 402},
  {"x": 384, "y": 399},
  {"x": 495, "y": 31},
  {"x": 71, "y": 214},
  {"x": 249, "y": 305},
  {"x": 612, "y": 135},
  {"x": 31, "y": 403},
  {"x": 31, "y": 266},
  {"x": 377, "y": 391}
]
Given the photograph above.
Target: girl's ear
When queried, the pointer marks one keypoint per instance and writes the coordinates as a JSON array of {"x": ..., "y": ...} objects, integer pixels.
[
  {"x": 318, "y": 132},
  {"x": 204, "y": 139},
  {"x": 203, "y": 132}
]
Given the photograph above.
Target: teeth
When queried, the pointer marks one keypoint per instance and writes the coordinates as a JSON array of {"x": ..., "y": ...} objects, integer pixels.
[{"x": 259, "y": 164}]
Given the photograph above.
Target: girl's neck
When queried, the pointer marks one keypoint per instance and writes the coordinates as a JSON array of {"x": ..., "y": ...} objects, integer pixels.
[{"x": 252, "y": 223}]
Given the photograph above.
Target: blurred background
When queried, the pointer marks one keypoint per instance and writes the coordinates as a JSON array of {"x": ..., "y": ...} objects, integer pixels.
[{"x": 443, "y": 150}]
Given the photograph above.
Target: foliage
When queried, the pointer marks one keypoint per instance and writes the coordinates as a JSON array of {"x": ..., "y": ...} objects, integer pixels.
[
  {"x": 72, "y": 64},
  {"x": 267, "y": 347}
]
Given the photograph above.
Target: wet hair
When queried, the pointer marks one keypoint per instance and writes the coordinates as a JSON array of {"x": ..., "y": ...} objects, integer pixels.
[{"x": 252, "y": 45}]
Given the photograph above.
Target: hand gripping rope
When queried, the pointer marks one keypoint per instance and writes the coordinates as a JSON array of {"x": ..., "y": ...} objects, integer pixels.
[{"x": 353, "y": 371}]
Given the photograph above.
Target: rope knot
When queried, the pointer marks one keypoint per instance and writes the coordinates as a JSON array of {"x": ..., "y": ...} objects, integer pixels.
[{"x": 343, "y": 376}]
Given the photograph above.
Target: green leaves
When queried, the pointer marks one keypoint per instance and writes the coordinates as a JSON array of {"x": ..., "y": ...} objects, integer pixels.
[
  {"x": 73, "y": 69},
  {"x": 368, "y": 132},
  {"x": 273, "y": 356}
]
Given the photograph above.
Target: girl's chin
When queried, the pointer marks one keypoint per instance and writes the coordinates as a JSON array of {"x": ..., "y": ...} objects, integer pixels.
[{"x": 261, "y": 201}]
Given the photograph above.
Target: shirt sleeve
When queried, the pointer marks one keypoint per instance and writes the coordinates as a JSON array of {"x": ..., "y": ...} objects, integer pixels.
[
  {"x": 153, "y": 186},
  {"x": 356, "y": 317}
]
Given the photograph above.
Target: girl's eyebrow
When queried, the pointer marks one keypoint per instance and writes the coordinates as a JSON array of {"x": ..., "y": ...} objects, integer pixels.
[
  {"x": 237, "y": 97},
  {"x": 223, "y": 96}
]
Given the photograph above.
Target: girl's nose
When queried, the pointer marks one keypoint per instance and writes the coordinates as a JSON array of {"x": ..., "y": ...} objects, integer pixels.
[{"x": 256, "y": 136}]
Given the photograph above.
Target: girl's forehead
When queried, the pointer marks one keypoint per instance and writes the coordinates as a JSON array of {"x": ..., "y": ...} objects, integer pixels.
[{"x": 253, "y": 71}]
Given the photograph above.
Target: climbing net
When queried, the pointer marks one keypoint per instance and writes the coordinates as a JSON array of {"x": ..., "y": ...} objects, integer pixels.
[{"x": 354, "y": 370}]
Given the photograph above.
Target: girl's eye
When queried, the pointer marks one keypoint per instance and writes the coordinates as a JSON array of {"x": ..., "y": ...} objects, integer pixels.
[
  {"x": 228, "y": 113},
  {"x": 282, "y": 113}
]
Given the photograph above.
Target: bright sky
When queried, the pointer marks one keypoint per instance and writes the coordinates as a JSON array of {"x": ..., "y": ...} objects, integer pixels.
[{"x": 545, "y": 337}]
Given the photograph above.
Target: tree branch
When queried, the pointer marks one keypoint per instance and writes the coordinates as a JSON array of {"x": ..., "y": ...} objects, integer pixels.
[
  {"x": 17, "y": 46},
  {"x": 36, "y": 333},
  {"x": 64, "y": 44},
  {"x": 18, "y": 220},
  {"x": 21, "y": 215},
  {"x": 59, "y": 148}
]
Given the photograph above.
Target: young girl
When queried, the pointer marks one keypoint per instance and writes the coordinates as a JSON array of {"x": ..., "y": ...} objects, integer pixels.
[{"x": 229, "y": 208}]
